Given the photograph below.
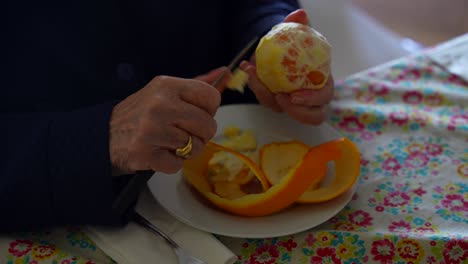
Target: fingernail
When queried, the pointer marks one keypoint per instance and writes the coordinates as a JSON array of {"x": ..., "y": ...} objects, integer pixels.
[
  {"x": 297, "y": 100},
  {"x": 243, "y": 65}
]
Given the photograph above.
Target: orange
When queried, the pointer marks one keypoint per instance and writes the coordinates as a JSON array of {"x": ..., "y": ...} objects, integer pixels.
[{"x": 293, "y": 56}]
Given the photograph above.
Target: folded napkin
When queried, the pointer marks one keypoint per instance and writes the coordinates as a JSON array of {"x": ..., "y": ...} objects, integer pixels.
[
  {"x": 135, "y": 244},
  {"x": 453, "y": 56}
]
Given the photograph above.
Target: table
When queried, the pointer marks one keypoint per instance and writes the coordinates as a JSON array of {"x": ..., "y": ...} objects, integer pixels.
[{"x": 409, "y": 119}]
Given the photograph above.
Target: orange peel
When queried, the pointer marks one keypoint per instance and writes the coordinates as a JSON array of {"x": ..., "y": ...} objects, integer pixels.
[
  {"x": 274, "y": 198},
  {"x": 347, "y": 170},
  {"x": 290, "y": 152}
]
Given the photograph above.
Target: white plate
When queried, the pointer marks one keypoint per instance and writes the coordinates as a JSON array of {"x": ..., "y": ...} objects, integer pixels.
[{"x": 183, "y": 203}]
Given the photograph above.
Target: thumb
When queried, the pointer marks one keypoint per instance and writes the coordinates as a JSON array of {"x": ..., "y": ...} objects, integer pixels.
[{"x": 298, "y": 16}]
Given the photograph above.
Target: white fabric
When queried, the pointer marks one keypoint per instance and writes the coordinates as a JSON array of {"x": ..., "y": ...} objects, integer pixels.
[
  {"x": 135, "y": 244},
  {"x": 453, "y": 56}
]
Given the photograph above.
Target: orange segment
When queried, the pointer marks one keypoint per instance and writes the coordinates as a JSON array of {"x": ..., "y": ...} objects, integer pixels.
[
  {"x": 316, "y": 77},
  {"x": 347, "y": 169}
]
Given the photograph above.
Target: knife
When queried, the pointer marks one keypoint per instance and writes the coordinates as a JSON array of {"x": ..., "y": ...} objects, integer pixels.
[{"x": 137, "y": 182}]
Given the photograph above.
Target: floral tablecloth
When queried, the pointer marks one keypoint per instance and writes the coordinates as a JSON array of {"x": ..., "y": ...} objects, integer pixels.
[{"x": 409, "y": 119}]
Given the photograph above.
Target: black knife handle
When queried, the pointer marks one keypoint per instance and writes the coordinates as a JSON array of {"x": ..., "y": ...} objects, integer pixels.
[{"x": 130, "y": 192}]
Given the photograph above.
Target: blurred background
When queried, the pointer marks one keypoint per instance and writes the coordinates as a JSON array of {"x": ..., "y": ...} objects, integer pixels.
[{"x": 365, "y": 33}]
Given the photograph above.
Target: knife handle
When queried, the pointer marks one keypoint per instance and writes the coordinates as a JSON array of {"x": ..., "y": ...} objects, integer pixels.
[{"x": 131, "y": 191}]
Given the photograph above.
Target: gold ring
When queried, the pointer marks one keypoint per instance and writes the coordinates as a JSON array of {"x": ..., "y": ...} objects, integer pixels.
[{"x": 185, "y": 151}]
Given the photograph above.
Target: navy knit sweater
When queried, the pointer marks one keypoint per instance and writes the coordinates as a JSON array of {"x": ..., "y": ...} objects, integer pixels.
[{"x": 67, "y": 63}]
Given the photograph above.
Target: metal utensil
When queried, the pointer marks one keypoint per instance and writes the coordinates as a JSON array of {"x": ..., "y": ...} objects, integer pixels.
[
  {"x": 233, "y": 64},
  {"x": 130, "y": 193},
  {"x": 182, "y": 255}
]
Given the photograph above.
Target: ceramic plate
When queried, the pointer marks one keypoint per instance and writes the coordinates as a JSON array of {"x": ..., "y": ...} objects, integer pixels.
[{"x": 176, "y": 196}]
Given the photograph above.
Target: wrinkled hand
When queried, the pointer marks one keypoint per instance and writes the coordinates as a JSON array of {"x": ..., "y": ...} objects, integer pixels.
[
  {"x": 147, "y": 127},
  {"x": 306, "y": 106}
]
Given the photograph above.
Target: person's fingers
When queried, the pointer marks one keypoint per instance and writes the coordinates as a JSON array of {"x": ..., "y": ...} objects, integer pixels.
[
  {"x": 298, "y": 16},
  {"x": 165, "y": 161},
  {"x": 196, "y": 122},
  {"x": 304, "y": 114},
  {"x": 308, "y": 97},
  {"x": 213, "y": 75},
  {"x": 201, "y": 95},
  {"x": 264, "y": 96}
]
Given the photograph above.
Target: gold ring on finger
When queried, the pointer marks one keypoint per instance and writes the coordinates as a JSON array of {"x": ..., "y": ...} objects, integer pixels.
[{"x": 186, "y": 150}]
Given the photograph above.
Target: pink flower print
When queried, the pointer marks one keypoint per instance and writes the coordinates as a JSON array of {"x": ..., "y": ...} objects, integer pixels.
[
  {"x": 383, "y": 251},
  {"x": 378, "y": 89},
  {"x": 366, "y": 135},
  {"x": 20, "y": 248},
  {"x": 310, "y": 240},
  {"x": 416, "y": 160},
  {"x": 434, "y": 99},
  {"x": 391, "y": 164},
  {"x": 266, "y": 254},
  {"x": 396, "y": 198},
  {"x": 289, "y": 245},
  {"x": 455, "y": 252},
  {"x": 431, "y": 260},
  {"x": 453, "y": 78},
  {"x": 457, "y": 121},
  {"x": 399, "y": 118},
  {"x": 364, "y": 96},
  {"x": 351, "y": 124},
  {"x": 434, "y": 149},
  {"x": 361, "y": 218},
  {"x": 419, "y": 191},
  {"x": 424, "y": 230},
  {"x": 400, "y": 227},
  {"x": 455, "y": 202},
  {"x": 419, "y": 117},
  {"x": 409, "y": 74},
  {"x": 412, "y": 97},
  {"x": 325, "y": 255},
  {"x": 364, "y": 162}
]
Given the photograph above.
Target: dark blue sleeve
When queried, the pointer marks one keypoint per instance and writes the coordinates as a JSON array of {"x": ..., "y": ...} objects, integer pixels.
[
  {"x": 257, "y": 17},
  {"x": 249, "y": 18},
  {"x": 56, "y": 170}
]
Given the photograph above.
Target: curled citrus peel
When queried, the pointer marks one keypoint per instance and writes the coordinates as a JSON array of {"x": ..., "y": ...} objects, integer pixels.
[
  {"x": 347, "y": 169},
  {"x": 291, "y": 153},
  {"x": 274, "y": 198}
]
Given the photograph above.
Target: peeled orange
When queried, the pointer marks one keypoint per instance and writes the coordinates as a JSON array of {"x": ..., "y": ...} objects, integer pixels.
[{"x": 293, "y": 56}]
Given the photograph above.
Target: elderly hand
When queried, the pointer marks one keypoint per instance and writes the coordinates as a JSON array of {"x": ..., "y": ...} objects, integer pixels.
[
  {"x": 306, "y": 106},
  {"x": 147, "y": 127}
]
